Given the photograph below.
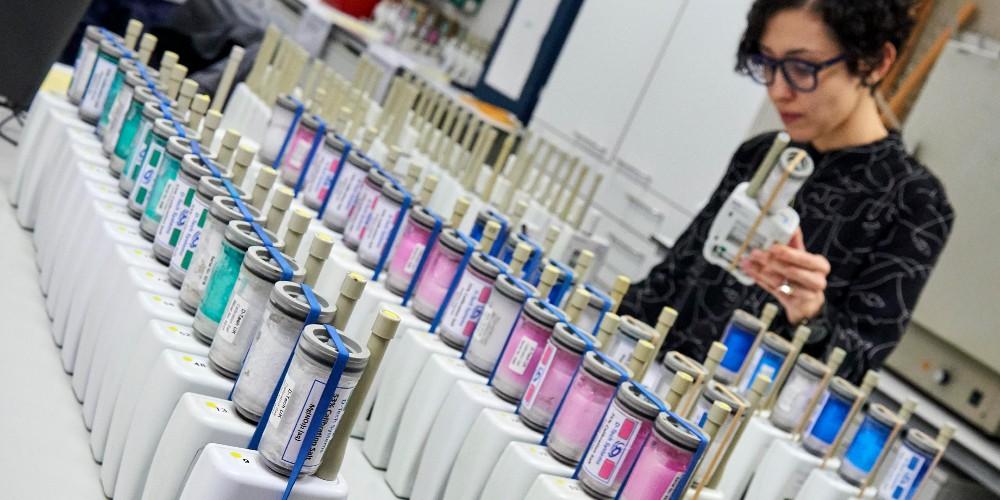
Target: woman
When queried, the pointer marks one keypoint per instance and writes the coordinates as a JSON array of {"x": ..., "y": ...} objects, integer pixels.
[{"x": 873, "y": 220}]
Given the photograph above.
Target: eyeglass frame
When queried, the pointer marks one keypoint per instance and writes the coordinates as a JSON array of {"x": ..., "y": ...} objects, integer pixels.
[{"x": 814, "y": 69}]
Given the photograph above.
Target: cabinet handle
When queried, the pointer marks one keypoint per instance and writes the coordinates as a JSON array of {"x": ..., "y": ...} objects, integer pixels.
[
  {"x": 634, "y": 172},
  {"x": 587, "y": 143},
  {"x": 637, "y": 202},
  {"x": 624, "y": 246}
]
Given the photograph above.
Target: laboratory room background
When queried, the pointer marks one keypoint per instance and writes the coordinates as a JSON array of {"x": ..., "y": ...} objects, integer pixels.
[{"x": 500, "y": 249}]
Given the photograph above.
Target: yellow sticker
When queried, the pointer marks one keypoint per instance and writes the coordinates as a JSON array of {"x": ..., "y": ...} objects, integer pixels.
[
  {"x": 149, "y": 274},
  {"x": 211, "y": 404},
  {"x": 188, "y": 359},
  {"x": 235, "y": 455},
  {"x": 138, "y": 251},
  {"x": 157, "y": 298},
  {"x": 172, "y": 328}
]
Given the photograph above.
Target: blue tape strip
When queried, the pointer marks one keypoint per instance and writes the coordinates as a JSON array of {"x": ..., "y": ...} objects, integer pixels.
[
  {"x": 605, "y": 305},
  {"x": 311, "y": 318},
  {"x": 400, "y": 217},
  {"x": 466, "y": 257},
  {"x": 299, "y": 108},
  {"x": 545, "y": 305},
  {"x": 431, "y": 241},
  {"x": 317, "y": 141},
  {"x": 324, "y": 402},
  {"x": 564, "y": 283}
]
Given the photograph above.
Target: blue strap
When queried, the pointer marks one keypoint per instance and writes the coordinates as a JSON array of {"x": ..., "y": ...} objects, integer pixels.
[
  {"x": 317, "y": 141},
  {"x": 336, "y": 176},
  {"x": 325, "y": 399},
  {"x": 299, "y": 108},
  {"x": 400, "y": 216},
  {"x": 681, "y": 488},
  {"x": 470, "y": 248},
  {"x": 564, "y": 283},
  {"x": 605, "y": 305},
  {"x": 545, "y": 305},
  {"x": 314, "y": 309},
  {"x": 435, "y": 232}
]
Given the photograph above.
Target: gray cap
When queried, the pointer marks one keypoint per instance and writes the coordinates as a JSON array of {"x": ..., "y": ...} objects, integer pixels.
[
  {"x": 260, "y": 262},
  {"x": 565, "y": 337},
  {"x": 629, "y": 396},
  {"x": 636, "y": 329},
  {"x": 224, "y": 209},
  {"x": 600, "y": 369},
  {"x": 671, "y": 430},
  {"x": 287, "y": 296},
  {"x": 482, "y": 265},
  {"x": 540, "y": 314},
  {"x": 359, "y": 161},
  {"x": 317, "y": 344},
  {"x": 505, "y": 285},
  {"x": 450, "y": 239},
  {"x": 241, "y": 234}
]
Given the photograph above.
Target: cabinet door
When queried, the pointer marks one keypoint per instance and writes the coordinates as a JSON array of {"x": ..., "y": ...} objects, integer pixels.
[
  {"x": 696, "y": 111},
  {"x": 606, "y": 61}
]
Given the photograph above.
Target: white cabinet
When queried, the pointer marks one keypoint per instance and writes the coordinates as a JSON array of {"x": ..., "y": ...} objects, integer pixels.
[
  {"x": 697, "y": 110},
  {"x": 600, "y": 73},
  {"x": 645, "y": 90}
]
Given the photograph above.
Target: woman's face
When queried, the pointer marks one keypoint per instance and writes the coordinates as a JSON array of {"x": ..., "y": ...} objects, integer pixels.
[{"x": 801, "y": 34}]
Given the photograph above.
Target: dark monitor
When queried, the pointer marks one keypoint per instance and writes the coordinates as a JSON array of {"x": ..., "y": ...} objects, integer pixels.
[{"x": 33, "y": 36}]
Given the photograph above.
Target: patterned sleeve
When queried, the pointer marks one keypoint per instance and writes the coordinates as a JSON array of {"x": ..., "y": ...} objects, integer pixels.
[
  {"x": 646, "y": 298},
  {"x": 872, "y": 315}
]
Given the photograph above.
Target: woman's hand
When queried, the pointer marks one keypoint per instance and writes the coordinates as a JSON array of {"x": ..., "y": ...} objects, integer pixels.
[{"x": 794, "y": 276}]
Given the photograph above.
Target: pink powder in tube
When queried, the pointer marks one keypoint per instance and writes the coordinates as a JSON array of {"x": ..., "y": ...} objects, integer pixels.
[
  {"x": 440, "y": 269},
  {"x": 410, "y": 247},
  {"x": 664, "y": 460},
  {"x": 559, "y": 361},
  {"x": 587, "y": 398},
  {"x": 524, "y": 351}
]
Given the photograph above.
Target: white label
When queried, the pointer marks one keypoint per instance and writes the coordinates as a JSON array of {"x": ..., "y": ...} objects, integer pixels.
[
  {"x": 324, "y": 166},
  {"x": 190, "y": 234},
  {"x": 138, "y": 148},
  {"x": 175, "y": 214},
  {"x": 361, "y": 214},
  {"x": 97, "y": 90},
  {"x": 281, "y": 404},
  {"x": 375, "y": 236},
  {"x": 531, "y": 393},
  {"x": 167, "y": 197},
  {"x": 118, "y": 109},
  {"x": 299, "y": 150},
  {"x": 484, "y": 330},
  {"x": 795, "y": 396},
  {"x": 81, "y": 70},
  {"x": 147, "y": 174},
  {"x": 902, "y": 476},
  {"x": 522, "y": 356},
  {"x": 330, "y": 419},
  {"x": 415, "y": 255},
  {"x": 466, "y": 306},
  {"x": 236, "y": 311},
  {"x": 345, "y": 193},
  {"x": 610, "y": 447}
]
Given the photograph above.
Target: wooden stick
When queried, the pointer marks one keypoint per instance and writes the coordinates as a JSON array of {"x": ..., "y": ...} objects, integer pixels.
[
  {"x": 944, "y": 436},
  {"x": 900, "y": 101},
  {"x": 801, "y": 155},
  {"x": 832, "y": 365},
  {"x": 799, "y": 340},
  {"x": 867, "y": 385},
  {"x": 922, "y": 17},
  {"x": 766, "y": 318},
  {"x": 717, "y": 459}
]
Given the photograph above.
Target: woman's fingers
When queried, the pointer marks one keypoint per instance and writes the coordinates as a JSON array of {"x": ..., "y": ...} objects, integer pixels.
[{"x": 800, "y": 258}]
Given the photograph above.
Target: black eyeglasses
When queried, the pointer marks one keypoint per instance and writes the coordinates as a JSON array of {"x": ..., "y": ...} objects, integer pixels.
[{"x": 800, "y": 75}]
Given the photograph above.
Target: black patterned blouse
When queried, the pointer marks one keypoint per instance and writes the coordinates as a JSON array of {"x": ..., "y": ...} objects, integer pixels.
[{"x": 880, "y": 218}]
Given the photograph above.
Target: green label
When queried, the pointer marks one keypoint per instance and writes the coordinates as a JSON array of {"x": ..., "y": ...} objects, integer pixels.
[
  {"x": 165, "y": 173},
  {"x": 109, "y": 102},
  {"x": 123, "y": 148},
  {"x": 138, "y": 154},
  {"x": 220, "y": 285}
]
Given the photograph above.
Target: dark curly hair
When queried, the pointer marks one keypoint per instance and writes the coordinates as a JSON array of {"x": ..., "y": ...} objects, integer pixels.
[{"x": 862, "y": 27}]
